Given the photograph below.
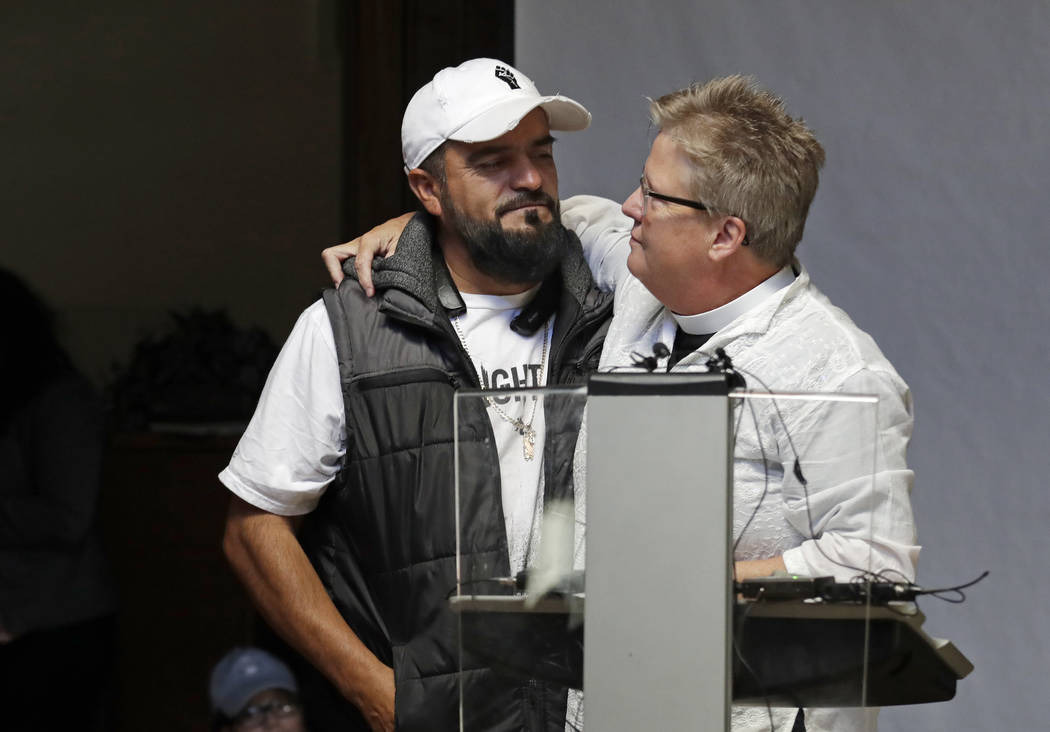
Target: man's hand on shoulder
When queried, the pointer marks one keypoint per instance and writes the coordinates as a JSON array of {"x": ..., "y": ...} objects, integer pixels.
[{"x": 380, "y": 241}]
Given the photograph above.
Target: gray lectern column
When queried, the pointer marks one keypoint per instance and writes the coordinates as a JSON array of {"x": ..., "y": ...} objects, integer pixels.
[{"x": 658, "y": 615}]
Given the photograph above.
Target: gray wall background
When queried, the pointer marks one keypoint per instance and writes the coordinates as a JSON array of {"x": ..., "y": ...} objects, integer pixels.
[{"x": 929, "y": 228}]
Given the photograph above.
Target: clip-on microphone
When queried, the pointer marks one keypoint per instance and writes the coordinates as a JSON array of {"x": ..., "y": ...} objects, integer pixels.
[
  {"x": 722, "y": 363},
  {"x": 649, "y": 363}
]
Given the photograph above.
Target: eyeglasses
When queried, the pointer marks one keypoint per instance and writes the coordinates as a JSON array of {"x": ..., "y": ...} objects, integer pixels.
[
  {"x": 255, "y": 717},
  {"x": 648, "y": 193}
]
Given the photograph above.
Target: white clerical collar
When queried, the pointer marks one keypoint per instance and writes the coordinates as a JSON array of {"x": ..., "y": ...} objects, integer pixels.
[{"x": 714, "y": 320}]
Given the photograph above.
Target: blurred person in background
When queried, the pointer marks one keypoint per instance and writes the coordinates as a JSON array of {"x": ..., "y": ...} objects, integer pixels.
[
  {"x": 251, "y": 690},
  {"x": 57, "y": 628}
]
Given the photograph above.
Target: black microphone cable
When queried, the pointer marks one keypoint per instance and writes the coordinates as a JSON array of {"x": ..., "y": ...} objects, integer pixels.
[{"x": 724, "y": 363}]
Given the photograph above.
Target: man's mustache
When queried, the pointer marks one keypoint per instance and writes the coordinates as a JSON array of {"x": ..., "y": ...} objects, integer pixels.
[{"x": 535, "y": 198}]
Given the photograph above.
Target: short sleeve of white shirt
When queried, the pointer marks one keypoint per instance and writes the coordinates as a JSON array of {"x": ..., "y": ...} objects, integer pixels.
[{"x": 294, "y": 445}]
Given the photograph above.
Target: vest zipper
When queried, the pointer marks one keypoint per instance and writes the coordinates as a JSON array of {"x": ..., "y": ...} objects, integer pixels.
[
  {"x": 418, "y": 374},
  {"x": 450, "y": 335},
  {"x": 575, "y": 328},
  {"x": 586, "y": 356}
]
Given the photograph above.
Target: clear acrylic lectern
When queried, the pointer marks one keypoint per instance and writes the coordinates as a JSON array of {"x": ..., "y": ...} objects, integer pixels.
[{"x": 626, "y": 524}]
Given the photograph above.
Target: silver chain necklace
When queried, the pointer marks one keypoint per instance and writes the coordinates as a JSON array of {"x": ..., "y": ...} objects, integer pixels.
[{"x": 528, "y": 434}]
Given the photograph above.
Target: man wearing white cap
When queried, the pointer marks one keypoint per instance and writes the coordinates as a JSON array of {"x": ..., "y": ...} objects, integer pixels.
[{"x": 354, "y": 429}]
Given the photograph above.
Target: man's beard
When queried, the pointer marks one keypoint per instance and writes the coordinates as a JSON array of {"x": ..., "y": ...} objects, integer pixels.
[{"x": 511, "y": 256}]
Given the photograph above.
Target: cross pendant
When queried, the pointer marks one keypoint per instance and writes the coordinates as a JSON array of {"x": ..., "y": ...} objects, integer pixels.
[{"x": 528, "y": 442}]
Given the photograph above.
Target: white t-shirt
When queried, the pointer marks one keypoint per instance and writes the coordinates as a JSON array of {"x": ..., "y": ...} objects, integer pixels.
[
  {"x": 294, "y": 445},
  {"x": 506, "y": 360}
]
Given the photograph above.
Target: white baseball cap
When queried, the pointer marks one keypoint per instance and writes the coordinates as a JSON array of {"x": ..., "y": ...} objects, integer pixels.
[{"x": 478, "y": 100}]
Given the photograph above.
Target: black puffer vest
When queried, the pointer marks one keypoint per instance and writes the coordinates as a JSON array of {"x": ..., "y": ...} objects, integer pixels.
[{"x": 383, "y": 537}]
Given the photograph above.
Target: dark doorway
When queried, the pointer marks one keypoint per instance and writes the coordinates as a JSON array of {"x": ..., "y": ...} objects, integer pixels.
[{"x": 391, "y": 49}]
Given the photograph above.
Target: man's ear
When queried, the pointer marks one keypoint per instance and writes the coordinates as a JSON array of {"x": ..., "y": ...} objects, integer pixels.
[
  {"x": 729, "y": 239},
  {"x": 427, "y": 190}
]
